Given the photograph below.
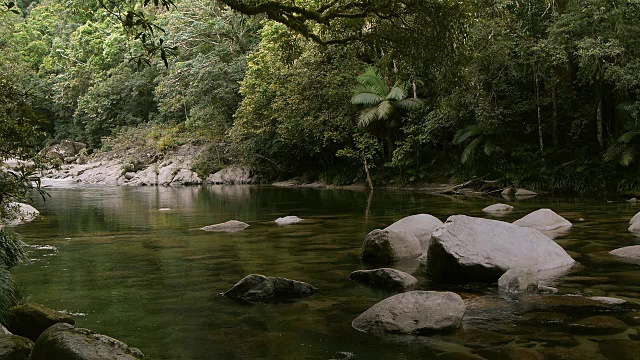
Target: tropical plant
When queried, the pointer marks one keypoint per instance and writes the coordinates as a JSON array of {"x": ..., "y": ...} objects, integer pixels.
[
  {"x": 482, "y": 138},
  {"x": 381, "y": 101}
]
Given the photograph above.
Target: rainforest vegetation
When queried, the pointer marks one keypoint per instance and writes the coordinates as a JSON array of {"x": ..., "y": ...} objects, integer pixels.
[{"x": 539, "y": 93}]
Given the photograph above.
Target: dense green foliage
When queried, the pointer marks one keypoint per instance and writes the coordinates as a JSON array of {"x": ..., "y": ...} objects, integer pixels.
[{"x": 544, "y": 94}]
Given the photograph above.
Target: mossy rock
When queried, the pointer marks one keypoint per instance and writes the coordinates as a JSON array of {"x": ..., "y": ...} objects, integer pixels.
[
  {"x": 30, "y": 320},
  {"x": 65, "y": 342},
  {"x": 13, "y": 347}
]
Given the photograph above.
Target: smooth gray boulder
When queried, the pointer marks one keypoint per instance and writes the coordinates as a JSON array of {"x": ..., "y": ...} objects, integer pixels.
[
  {"x": 525, "y": 193},
  {"x": 385, "y": 278},
  {"x": 634, "y": 219},
  {"x": 543, "y": 220},
  {"x": 421, "y": 226},
  {"x": 413, "y": 312},
  {"x": 474, "y": 249},
  {"x": 14, "y": 347},
  {"x": 518, "y": 280},
  {"x": 230, "y": 175},
  {"x": 64, "y": 341},
  {"x": 628, "y": 253},
  {"x": 388, "y": 246},
  {"x": 20, "y": 213},
  {"x": 30, "y": 320},
  {"x": 288, "y": 220},
  {"x": 498, "y": 208},
  {"x": 260, "y": 288},
  {"x": 228, "y": 226}
]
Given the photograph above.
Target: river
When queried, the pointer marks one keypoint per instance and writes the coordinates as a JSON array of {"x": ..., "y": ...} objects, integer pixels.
[{"x": 152, "y": 279}]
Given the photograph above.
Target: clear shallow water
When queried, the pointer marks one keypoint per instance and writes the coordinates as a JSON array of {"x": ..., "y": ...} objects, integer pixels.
[{"x": 152, "y": 279}]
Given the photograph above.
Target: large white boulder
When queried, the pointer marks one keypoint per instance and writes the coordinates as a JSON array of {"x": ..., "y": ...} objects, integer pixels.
[
  {"x": 634, "y": 219},
  {"x": 628, "y": 253},
  {"x": 421, "y": 226},
  {"x": 543, "y": 220},
  {"x": 413, "y": 312},
  {"x": 467, "y": 248},
  {"x": 230, "y": 175}
]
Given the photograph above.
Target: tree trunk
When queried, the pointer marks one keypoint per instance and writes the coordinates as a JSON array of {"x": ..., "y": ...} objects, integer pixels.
[
  {"x": 599, "y": 121},
  {"x": 366, "y": 170},
  {"x": 415, "y": 89},
  {"x": 535, "y": 76},
  {"x": 554, "y": 118}
]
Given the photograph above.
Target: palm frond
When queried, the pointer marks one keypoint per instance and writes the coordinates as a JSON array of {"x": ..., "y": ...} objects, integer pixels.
[
  {"x": 385, "y": 109},
  {"x": 490, "y": 147},
  {"x": 614, "y": 152},
  {"x": 463, "y": 134},
  {"x": 366, "y": 99},
  {"x": 367, "y": 116},
  {"x": 470, "y": 149},
  {"x": 397, "y": 93},
  {"x": 628, "y": 156},
  {"x": 627, "y": 137},
  {"x": 408, "y": 104},
  {"x": 372, "y": 79}
]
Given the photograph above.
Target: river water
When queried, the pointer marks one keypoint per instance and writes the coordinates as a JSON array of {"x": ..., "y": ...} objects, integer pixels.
[{"x": 152, "y": 279}]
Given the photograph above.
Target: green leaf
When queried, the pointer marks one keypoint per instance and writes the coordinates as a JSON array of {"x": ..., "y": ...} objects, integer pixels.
[{"x": 366, "y": 99}]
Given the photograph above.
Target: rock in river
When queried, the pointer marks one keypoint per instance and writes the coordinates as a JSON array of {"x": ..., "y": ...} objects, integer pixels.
[
  {"x": 498, "y": 208},
  {"x": 421, "y": 226},
  {"x": 259, "y": 288},
  {"x": 385, "y": 277},
  {"x": 288, "y": 220},
  {"x": 413, "y": 312},
  {"x": 543, "y": 220},
  {"x": 20, "y": 213},
  {"x": 63, "y": 341},
  {"x": 518, "y": 280},
  {"x": 598, "y": 325},
  {"x": 30, "y": 320},
  {"x": 14, "y": 347},
  {"x": 388, "y": 246},
  {"x": 229, "y": 226},
  {"x": 628, "y": 253},
  {"x": 468, "y": 249}
]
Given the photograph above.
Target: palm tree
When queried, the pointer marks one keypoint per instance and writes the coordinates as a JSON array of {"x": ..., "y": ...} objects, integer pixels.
[
  {"x": 381, "y": 104},
  {"x": 482, "y": 138},
  {"x": 381, "y": 101}
]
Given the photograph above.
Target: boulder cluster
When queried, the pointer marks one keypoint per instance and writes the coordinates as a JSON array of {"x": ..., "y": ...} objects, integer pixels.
[{"x": 33, "y": 332}]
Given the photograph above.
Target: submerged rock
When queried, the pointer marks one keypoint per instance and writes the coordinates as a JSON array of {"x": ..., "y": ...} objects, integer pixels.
[
  {"x": 598, "y": 325},
  {"x": 467, "y": 248},
  {"x": 260, "y": 288},
  {"x": 498, "y": 208},
  {"x": 388, "y": 246},
  {"x": 287, "y": 220},
  {"x": 518, "y": 280},
  {"x": 619, "y": 349},
  {"x": 30, "y": 320},
  {"x": 413, "y": 312},
  {"x": 421, "y": 226},
  {"x": 229, "y": 226},
  {"x": 14, "y": 347},
  {"x": 543, "y": 220},
  {"x": 63, "y": 341},
  {"x": 385, "y": 277}
]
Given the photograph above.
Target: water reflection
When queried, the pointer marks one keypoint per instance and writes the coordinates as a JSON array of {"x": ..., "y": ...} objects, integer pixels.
[{"x": 152, "y": 279}]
